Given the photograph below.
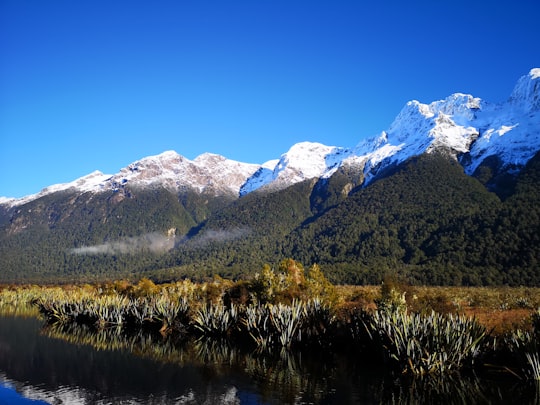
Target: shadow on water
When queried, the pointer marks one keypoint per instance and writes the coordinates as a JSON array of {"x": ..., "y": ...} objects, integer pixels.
[{"x": 69, "y": 363}]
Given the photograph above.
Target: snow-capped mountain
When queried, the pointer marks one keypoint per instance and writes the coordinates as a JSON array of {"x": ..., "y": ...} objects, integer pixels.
[
  {"x": 305, "y": 160},
  {"x": 209, "y": 173},
  {"x": 462, "y": 126},
  {"x": 95, "y": 181}
]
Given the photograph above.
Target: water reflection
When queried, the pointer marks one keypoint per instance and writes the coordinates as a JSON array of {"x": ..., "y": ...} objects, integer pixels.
[{"x": 79, "y": 365}]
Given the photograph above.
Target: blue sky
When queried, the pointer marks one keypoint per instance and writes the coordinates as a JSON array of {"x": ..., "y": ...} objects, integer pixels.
[{"x": 95, "y": 85}]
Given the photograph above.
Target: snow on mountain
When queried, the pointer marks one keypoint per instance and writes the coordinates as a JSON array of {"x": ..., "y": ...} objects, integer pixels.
[
  {"x": 264, "y": 175},
  {"x": 510, "y": 131},
  {"x": 94, "y": 181},
  {"x": 206, "y": 173},
  {"x": 209, "y": 173},
  {"x": 460, "y": 125},
  {"x": 6, "y": 200},
  {"x": 303, "y": 161},
  {"x": 420, "y": 128},
  {"x": 526, "y": 93}
]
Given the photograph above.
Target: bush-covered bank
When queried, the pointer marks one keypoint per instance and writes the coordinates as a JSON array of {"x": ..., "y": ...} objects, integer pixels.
[{"x": 416, "y": 331}]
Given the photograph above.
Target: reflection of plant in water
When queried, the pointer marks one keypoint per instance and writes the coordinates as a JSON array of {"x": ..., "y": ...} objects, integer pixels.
[
  {"x": 282, "y": 372},
  {"x": 101, "y": 339},
  {"x": 454, "y": 389},
  {"x": 287, "y": 373},
  {"x": 141, "y": 343},
  {"x": 217, "y": 352},
  {"x": 17, "y": 302},
  {"x": 435, "y": 390}
]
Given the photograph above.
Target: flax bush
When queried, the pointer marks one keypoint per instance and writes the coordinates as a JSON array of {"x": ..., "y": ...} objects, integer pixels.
[
  {"x": 425, "y": 344},
  {"x": 287, "y": 321},
  {"x": 525, "y": 347},
  {"x": 216, "y": 319},
  {"x": 274, "y": 325},
  {"x": 256, "y": 322},
  {"x": 287, "y": 325}
]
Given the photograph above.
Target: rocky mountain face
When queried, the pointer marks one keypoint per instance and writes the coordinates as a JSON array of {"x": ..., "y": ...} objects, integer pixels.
[{"x": 234, "y": 212}]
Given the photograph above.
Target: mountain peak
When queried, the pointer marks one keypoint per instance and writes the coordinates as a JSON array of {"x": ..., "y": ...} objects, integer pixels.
[
  {"x": 206, "y": 173},
  {"x": 209, "y": 158},
  {"x": 303, "y": 161},
  {"x": 526, "y": 93}
]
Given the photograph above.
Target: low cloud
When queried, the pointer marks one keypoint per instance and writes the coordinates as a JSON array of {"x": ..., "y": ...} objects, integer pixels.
[
  {"x": 151, "y": 242},
  {"x": 209, "y": 236},
  {"x": 158, "y": 243}
]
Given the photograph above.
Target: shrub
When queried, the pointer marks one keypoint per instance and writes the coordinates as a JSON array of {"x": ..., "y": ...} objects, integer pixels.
[
  {"x": 318, "y": 286},
  {"x": 145, "y": 288}
]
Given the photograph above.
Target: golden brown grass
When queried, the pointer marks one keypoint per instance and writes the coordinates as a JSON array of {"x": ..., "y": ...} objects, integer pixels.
[{"x": 500, "y": 309}]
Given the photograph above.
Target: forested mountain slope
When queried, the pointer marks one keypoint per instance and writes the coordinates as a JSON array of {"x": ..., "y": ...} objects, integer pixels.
[{"x": 448, "y": 194}]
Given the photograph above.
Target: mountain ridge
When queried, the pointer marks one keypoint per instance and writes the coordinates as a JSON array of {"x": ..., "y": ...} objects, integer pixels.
[{"x": 466, "y": 127}]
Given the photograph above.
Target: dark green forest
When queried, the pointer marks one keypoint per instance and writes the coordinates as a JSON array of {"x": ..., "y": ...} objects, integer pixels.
[{"x": 425, "y": 220}]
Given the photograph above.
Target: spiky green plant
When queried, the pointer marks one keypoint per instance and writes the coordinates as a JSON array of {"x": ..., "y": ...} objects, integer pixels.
[
  {"x": 318, "y": 321},
  {"x": 256, "y": 321},
  {"x": 426, "y": 344},
  {"x": 287, "y": 321},
  {"x": 168, "y": 311},
  {"x": 215, "y": 320},
  {"x": 285, "y": 325},
  {"x": 140, "y": 310},
  {"x": 525, "y": 347},
  {"x": 54, "y": 310},
  {"x": 106, "y": 310}
]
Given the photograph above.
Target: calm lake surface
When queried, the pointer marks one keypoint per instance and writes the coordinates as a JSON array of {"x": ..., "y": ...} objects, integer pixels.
[{"x": 42, "y": 364}]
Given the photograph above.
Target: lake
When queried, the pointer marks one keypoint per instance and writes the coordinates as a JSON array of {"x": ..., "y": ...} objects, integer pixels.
[{"x": 70, "y": 364}]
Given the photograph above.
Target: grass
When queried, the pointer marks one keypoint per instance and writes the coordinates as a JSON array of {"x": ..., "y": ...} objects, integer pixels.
[{"x": 499, "y": 309}]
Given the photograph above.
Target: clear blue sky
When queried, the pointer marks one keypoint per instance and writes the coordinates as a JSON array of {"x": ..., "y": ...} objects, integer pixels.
[{"x": 94, "y": 85}]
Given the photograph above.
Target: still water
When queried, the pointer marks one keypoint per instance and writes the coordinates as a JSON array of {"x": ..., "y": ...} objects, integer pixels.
[{"x": 44, "y": 364}]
